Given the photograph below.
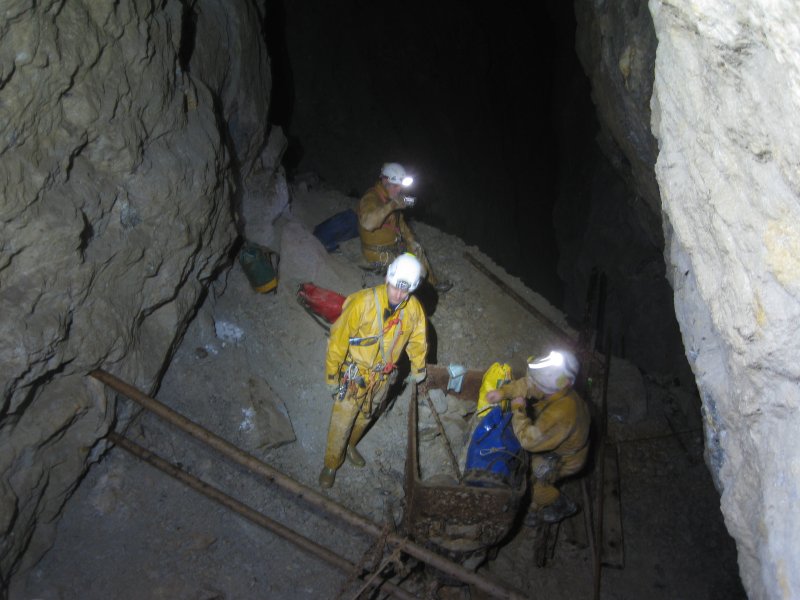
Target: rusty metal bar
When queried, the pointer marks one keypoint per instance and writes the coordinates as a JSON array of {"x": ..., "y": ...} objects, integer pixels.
[
  {"x": 588, "y": 523},
  {"x": 301, "y": 491},
  {"x": 236, "y": 454},
  {"x": 247, "y": 512},
  {"x": 555, "y": 329},
  {"x": 601, "y": 463}
]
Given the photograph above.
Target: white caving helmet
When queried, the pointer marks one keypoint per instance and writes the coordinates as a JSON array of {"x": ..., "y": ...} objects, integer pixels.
[
  {"x": 405, "y": 272},
  {"x": 553, "y": 372},
  {"x": 396, "y": 174}
]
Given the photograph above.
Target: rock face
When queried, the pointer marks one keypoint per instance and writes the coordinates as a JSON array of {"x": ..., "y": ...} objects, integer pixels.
[
  {"x": 127, "y": 134},
  {"x": 727, "y": 84},
  {"x": 726, "y": 96},
  {"x": 608, "y": 216}
]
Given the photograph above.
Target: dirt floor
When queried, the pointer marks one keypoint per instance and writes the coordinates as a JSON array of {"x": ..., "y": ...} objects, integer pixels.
[{"x": 250, "y": 369}]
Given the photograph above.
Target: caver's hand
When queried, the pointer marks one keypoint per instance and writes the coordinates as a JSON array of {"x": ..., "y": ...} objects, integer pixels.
[{"x": 494, "y": 396}]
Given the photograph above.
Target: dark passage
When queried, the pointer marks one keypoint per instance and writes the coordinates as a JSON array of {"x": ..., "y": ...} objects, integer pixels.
[
  {"x": 491, "y": 109},
  {"x": 485, "y": 105}
]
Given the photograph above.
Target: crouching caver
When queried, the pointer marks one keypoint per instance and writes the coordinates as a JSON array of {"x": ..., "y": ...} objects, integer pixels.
[
  {"x": 557, "y": 436},
  {"x": 366, "y": 340}
]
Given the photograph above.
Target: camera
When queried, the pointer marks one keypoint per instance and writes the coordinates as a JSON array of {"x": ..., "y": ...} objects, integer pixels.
[{"x": 409, "y": 200}]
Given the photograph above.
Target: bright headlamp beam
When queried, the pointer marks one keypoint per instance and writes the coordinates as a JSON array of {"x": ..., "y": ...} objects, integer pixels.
[{"x": 554, "y": 359}]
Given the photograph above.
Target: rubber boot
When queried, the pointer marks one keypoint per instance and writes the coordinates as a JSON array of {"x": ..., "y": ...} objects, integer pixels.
[
  {"x": 559, "y": 510},
  {"x": 327, "y": 477},
  {"x": 354, "y": 457}
]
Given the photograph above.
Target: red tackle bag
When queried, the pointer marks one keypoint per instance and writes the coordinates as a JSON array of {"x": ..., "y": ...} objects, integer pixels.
[{"x": 319, "y": 301}]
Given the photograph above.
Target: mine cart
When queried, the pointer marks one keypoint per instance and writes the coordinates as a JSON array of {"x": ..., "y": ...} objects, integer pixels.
[{"x": 459, "y": 521}]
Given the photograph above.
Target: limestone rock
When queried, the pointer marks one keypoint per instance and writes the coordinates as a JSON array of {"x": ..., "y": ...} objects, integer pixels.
[
  {"x": 724, "y": 104},
  {"x": 118, "y": 135}
]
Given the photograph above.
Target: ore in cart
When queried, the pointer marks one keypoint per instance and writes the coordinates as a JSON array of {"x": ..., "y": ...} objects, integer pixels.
[{"x": 456, "y": 520}]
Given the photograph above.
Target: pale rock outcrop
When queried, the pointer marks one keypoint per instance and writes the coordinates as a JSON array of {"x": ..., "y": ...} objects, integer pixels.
[
  {"x": 726, "y": 96},
  {"x": 124, "y": 135},
  {"x": 727, "y": 86}
]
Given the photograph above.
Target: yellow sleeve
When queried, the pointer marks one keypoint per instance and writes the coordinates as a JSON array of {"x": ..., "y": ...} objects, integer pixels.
[
  {"x": 372, "y": 211},
  {"x": 339, "y": 343},
  {"x": 515, "y": 389},
  {"x": 417, "y": 347},
  {"x": 547, "y": 432}
]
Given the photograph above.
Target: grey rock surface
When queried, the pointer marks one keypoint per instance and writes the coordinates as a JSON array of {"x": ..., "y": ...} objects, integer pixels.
[
  {"x": 117, "y": 152},
  {"x": 726, "y": 92}
]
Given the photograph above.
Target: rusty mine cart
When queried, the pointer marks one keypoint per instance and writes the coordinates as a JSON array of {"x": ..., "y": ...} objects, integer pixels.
[{"x": 461, "y": 522}]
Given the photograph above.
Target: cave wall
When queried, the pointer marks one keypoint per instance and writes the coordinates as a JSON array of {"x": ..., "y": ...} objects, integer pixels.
[
  {"x": 130, "y": 133},
  {"x": 725, "y": 88},
  {"x": 608, "y": 214},
  {"x": 725, "y": 101}
]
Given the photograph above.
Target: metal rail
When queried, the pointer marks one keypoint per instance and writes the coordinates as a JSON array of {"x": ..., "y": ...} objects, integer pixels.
[
  {"x": 256, "y": 517},
  {"x": 598, "y": 545},
  {"x": 552, "y": 327},
  {"x": 307, "y": 494}
]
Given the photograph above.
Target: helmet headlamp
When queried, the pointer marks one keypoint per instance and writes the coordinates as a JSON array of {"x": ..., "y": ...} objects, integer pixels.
[{"x": 554, "y": 359}]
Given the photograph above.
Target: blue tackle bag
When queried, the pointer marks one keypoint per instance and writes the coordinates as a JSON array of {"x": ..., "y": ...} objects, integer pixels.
[
  {"x": 495, "y": 457},
  {"x": 340, "y": 227}
]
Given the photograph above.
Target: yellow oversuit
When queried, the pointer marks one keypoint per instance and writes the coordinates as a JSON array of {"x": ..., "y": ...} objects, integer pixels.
[
  {"x": 384, "y": 232},
  {"x": 365, "y": 344},
  {"x": 558, "y": 436}
]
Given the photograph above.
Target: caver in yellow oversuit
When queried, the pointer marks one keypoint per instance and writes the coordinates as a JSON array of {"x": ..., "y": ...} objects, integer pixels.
[
  {"x": 364, "y": 347},
  {"x": 557, "y": 435},
  {"x": 382, "y": 227}
]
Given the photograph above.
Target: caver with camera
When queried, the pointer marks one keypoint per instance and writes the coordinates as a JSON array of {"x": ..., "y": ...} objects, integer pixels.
[{"x": 382, "y": 227}]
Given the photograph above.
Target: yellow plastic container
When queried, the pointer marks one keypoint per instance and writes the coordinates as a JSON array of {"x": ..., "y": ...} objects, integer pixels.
[{"x": 495, "y": 376}]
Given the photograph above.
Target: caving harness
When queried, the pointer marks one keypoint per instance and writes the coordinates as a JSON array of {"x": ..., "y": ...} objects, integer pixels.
[
  {"x": 360, "y": 386},
  {"x": 386, "y": 253}
]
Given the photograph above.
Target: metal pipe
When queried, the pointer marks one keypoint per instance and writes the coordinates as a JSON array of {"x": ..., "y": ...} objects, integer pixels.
[
  {"x": 598, "y": 548},
  {"x": 588, "y": 525},
  {"x": 256, "y": 517},
  {"x": 301, "y": 491},
  {"x": 236, "y": 454}
]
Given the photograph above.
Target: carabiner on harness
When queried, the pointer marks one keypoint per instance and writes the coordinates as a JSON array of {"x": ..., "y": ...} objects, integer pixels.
[
  {"x": 363, "y": 341},
  {"x": 350, "y": 376}
]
